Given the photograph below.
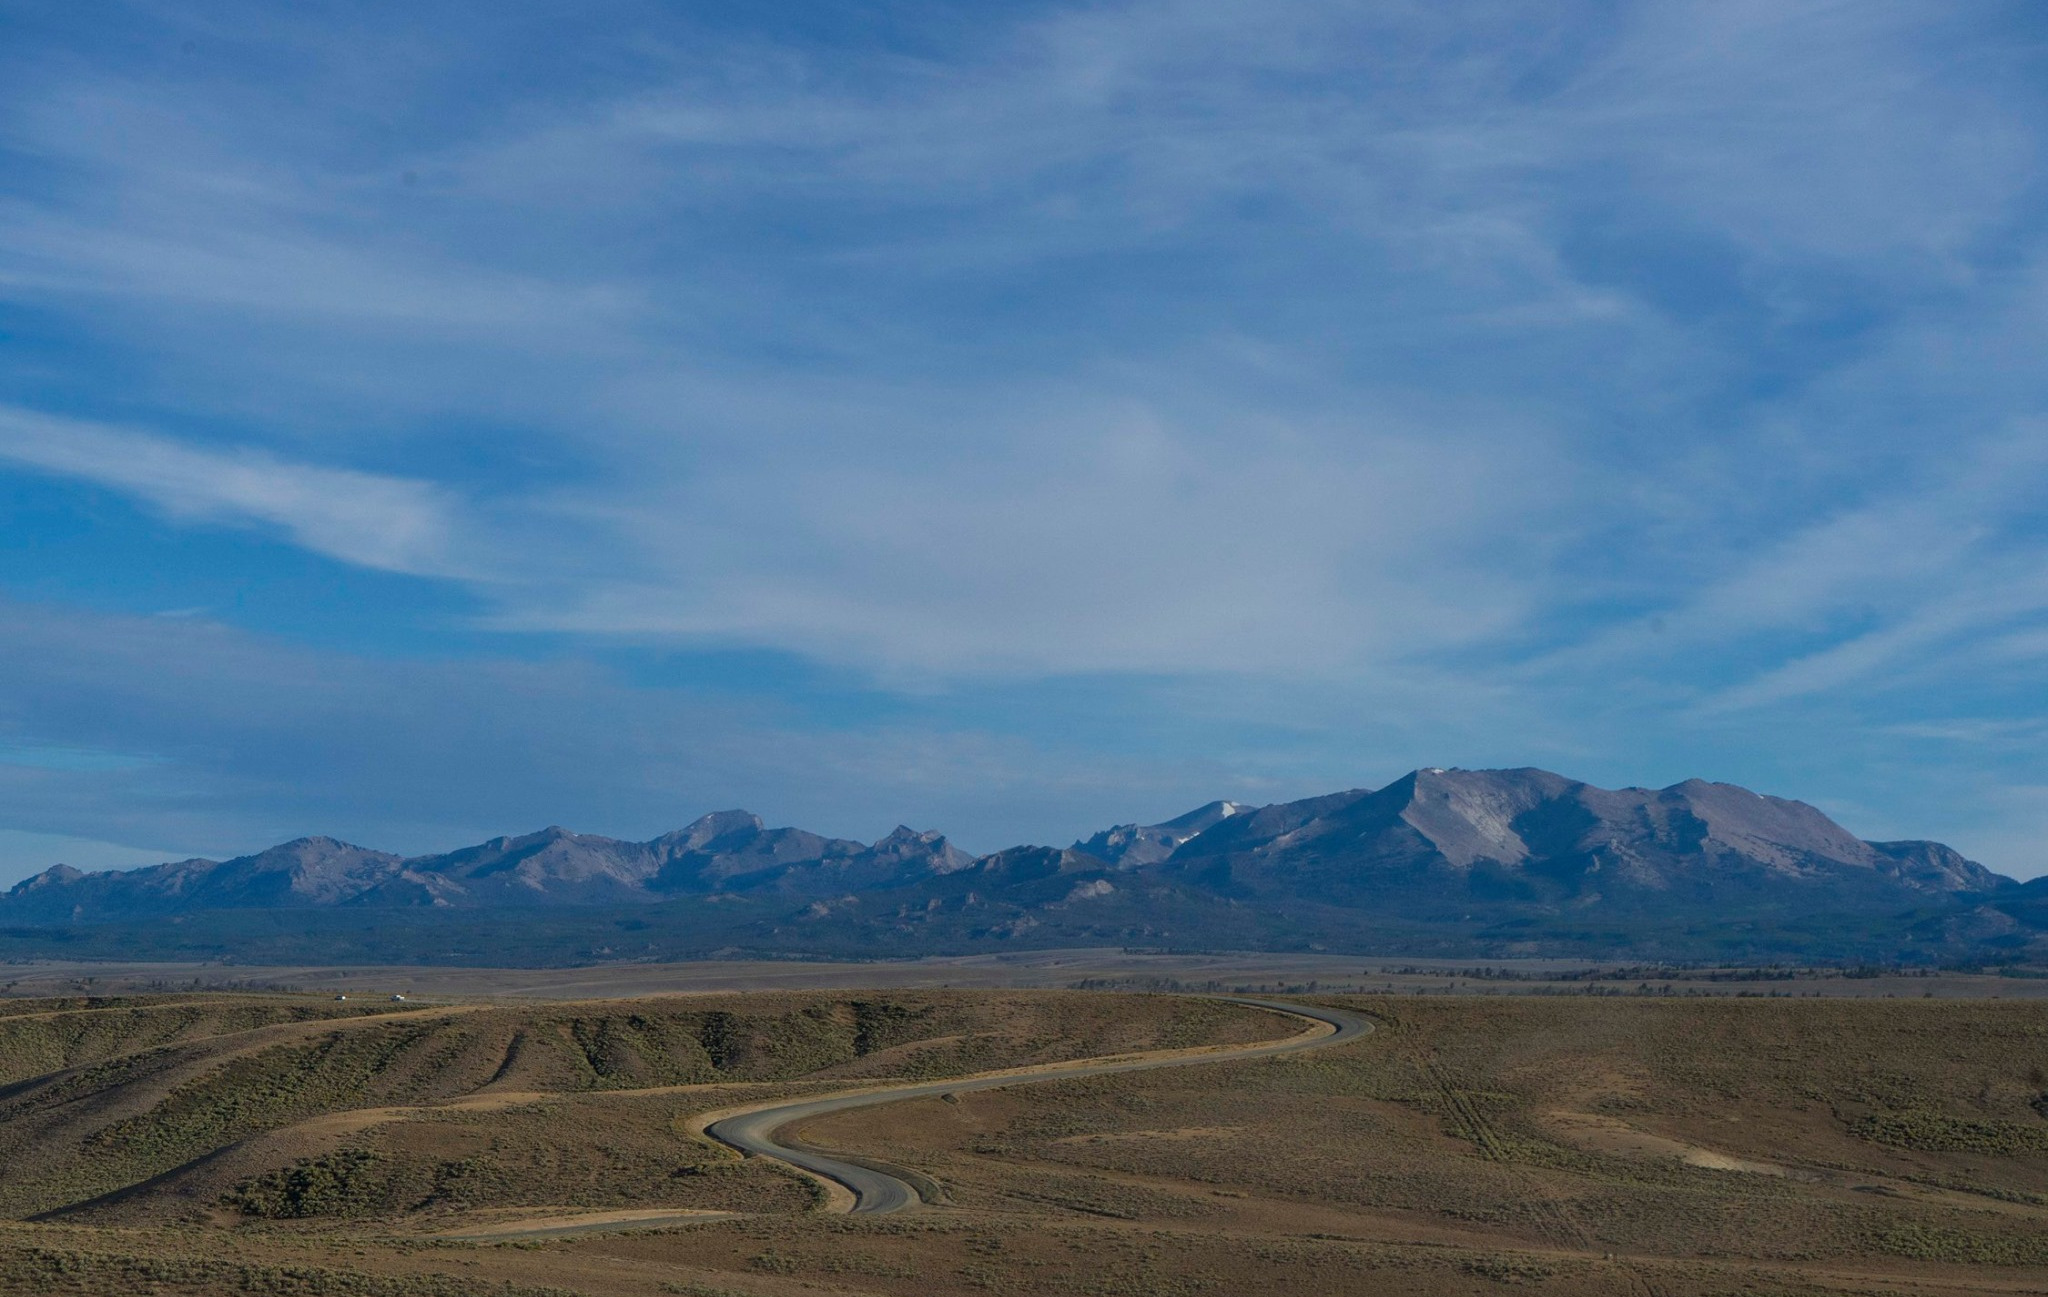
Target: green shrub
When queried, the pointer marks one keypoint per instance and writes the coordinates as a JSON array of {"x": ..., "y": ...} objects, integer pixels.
[
  {"x": 1937, "y": 1132},
  {"x": 1933, "y": 1243},
  {"x": 339, "y": 1184}
]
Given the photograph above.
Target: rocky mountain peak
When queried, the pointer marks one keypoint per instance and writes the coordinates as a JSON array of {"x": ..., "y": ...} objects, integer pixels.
[
  {"x": 1144, "y": 844},
  {"x": 59, "y": 875},
  {"x": 1531, "y": 836},
  {"x": 706, "y": 829},
  {"x": 905, "y": 846},
  {"x": 1516, "y": 848}
]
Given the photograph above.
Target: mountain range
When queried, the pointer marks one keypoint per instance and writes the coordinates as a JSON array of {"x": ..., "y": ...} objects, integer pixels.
[{"x": 1440, "y": 861}]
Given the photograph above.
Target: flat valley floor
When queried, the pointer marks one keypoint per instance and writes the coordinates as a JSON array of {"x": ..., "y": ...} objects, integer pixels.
[{"x": 200, "y": 1142}]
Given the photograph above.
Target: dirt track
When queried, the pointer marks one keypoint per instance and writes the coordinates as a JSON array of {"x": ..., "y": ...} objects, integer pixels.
[{"x": 869, "y": 1188}]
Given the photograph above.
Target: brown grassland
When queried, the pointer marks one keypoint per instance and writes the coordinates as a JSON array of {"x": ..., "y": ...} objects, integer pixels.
[{"x": 1687, "y": 1147}]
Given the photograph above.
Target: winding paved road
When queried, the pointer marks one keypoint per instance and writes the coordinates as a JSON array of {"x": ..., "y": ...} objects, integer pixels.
[{"x": 876, "y": 1191}]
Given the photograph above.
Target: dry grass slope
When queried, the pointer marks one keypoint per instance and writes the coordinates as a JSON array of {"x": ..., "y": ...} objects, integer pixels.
[{"x": 1664, "y": 1146}]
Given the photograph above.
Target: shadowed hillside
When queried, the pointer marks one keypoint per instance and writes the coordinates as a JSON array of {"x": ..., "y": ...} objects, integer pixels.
[{"x": 115, "y": 1110}]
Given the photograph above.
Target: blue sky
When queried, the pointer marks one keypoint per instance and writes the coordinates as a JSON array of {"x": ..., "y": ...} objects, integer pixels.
[{"x": 424, "y": 421}]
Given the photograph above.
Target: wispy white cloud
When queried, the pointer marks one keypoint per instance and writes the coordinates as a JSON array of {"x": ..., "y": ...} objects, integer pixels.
[
  {"x": 1132, "y": 538},
  {"x": 391, "y": 523}
]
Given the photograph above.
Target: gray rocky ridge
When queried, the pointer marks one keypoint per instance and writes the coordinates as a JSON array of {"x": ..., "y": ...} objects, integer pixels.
[{"x": 1434, "y": 846}]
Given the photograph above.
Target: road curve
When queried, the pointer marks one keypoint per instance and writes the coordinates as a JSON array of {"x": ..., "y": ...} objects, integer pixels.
[{"x": 876, "y": 1191}]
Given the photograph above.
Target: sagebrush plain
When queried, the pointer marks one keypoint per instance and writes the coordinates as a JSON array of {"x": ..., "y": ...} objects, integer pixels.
[{"x": 206, "y": 1142}]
